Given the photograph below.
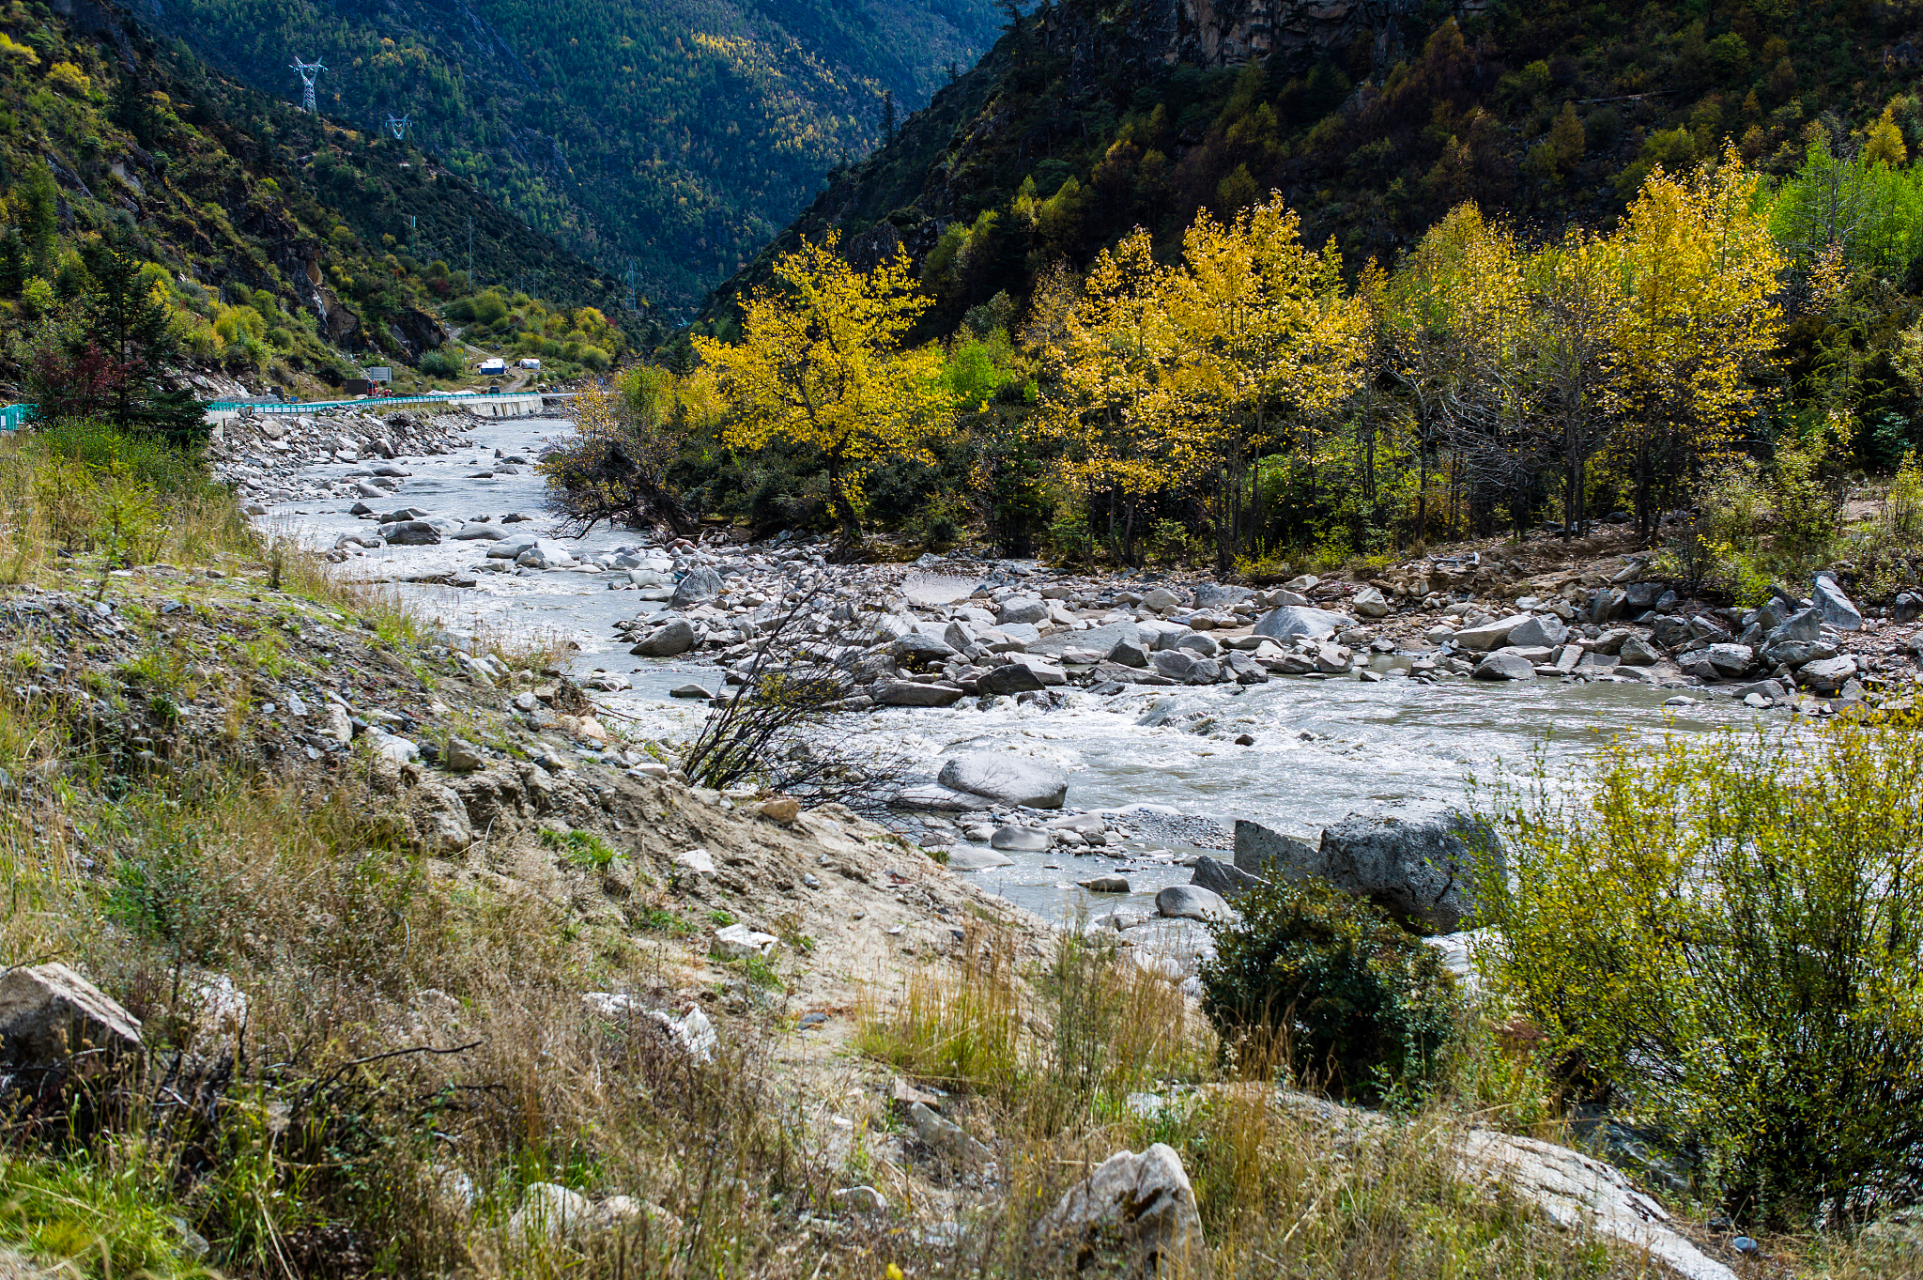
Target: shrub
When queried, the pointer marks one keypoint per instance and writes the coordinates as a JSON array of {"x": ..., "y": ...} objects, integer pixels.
[
  {"x": 1333, "y": 985},
  {"x": 1723, "y": 930},
  {"x": 441, "y": 364}
]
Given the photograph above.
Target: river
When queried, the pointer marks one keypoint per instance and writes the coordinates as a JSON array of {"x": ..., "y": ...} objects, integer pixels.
[{"x": 1323, "y": 749}]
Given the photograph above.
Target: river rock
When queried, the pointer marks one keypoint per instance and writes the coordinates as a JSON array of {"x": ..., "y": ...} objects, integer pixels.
[
  {"x": 1191, "y": 902},
  {"x": 411, "y": 533},
  {"x": 668, "y": 640},
  {"x": 1298, "y": 620},
  {"x": 1135, "y": 1217},
  {"x": 934, "y": 798},
  {"x": 1128, "y": 653},
  {"x": 1638, "y": 652},
  {"x": 1021, "y": 609},
  {"x": 697, "y": 586},
  {"x": 911, "y": 693},
  {"x": 1212, "y": 595},
  {"x": 1010, "y": 779},
  {"x": 1730, "y": 660},
  {"x": 549, "y": 1211},
  {"x": 1370, "y": 603},
  {"x": 48, "y": 1012},
  {"x": 1837, "y": 609},
  {"x": 918, "y": 646},
  {"x": 510, "y": 548},
  {"x": 1544, "y": 630},
  {"x": 1105, "y": 884},
  {"x": 1019, "y": 839},
  {"x": 1490, "y": 635},
  {"x": 1202, "y": 645},
  {"x": 546, "y": 553},
  {"x": 969, "y": 858},
  {"x": 1907, "y": 607},
  {"x": 1008, "y": 677},
  {"x": 1161, "y": 599},
  {"x": 474, "y": 532},
  {"x": 944, "y": 1137},
  {"x": 1505, "y": 666},
  {"x": 1421, "y": 871},
  {"x": 1176, "y": 664},
  {"x": 1827, "y": 676},
  {"x": 1224, "y": 878},
  {"x": 1265, "y": 853}
]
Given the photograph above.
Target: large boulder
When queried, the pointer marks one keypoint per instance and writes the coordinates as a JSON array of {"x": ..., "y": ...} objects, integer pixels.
[
  {"x": 1541, "y": 630},
  {"x": 546, "y": 553},
  {"x": 1300, "y": 620},
  {"x": 1135, "y": 1210},
  {"x": 1224, "y": 878},
  {"x": 1370, "y": 603},
  {"x": 1422, "y": 871},
  {"x": 1021, "y": 609},
  {"x": 1827, "y": 675},
  {"x": 411, "y": 533},
  {"x": 1505, "y": 666},
  {"x": 1009, "y": 779},
  {"x": 669, "y": 640},
  {"x": 1837, "y": 609},
  {"x": 1270, "y": 854},
  {"x": 1212, "y": 595},
  {"x": 697, "y": 586},
  {"x": 1489, "y": 635},
  {"x": 1009, "y": 677},
  {"x": 1192, "y": 902},
  {"x": 912, "y": 693},
  {"x": 510, "y": 548},
  {"x": 48, "y": 1013}
]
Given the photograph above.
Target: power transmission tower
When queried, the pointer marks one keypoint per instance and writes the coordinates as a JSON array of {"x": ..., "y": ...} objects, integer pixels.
[
  {"x": 470, "y": 251},
  {"x": 399, "y": 125},
  {"x": 308, "y": 71}
]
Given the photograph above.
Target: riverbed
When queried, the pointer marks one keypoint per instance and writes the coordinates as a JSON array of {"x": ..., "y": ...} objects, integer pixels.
[{"x": 1322, "y": 749}]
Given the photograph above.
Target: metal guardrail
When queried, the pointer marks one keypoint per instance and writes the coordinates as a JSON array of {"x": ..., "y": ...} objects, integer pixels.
[
  {"x": 377, "y": 402},
  {"x": 13, "y": 415}
]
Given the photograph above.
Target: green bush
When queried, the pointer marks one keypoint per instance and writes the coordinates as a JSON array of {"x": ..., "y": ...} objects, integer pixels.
[
  {"x": 441, "y": 364},
  {"x": 1724, "y": 929},
  {"x": 1332, "y": 984}
]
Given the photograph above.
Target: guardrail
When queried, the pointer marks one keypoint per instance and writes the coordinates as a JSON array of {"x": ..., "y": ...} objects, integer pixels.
[
  {"x": 373, "y": 402},
  {"x": 12, "y": 415}
]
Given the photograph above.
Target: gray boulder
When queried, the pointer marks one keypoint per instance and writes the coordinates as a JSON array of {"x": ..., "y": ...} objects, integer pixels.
[
  {"x": 1837, "y": 609},
  {"x": 1101, "y": 639},
  {"x": 510, "y": 548},
  {"x": 1105, "y": 884},
  {"x": 1224, "y": 878},
  {"x": 1009, "y": 677},
  {"x": 1545, "y": 630},
  {"x": 1731, "y": 660},
  {"x": 697, "y": 586},
  {"x": 1827, "y": 675},
  {"x": 916, "y": 645},
  {"x": 1009, "y": 779},
  {"x": 1638, "y": 652},
  {"x": 1139, "y": 1207},
  {"x": 1300, "y": 620},
  {"x": 472, "y": 532},
  {"x": 668, "y": 640},
  {"x": 411, "y": 533},
  {"x": 1191, "y": 902},
  {"x": 912, "y": 693},
  {"x": 1128, "y": 653},
  {"x": 1019, "y": 839},
  {"x": 1505, "y": 666},
  {"x": 1212, "y": 595},
  {"x": 48, "y": 1013},
  {"x": 1271, "y": 854},
  {"x": 1490, "y": 635},
  {"x": 1020, "y": 609},
  {"x": 1421, "y": 871},
  {"x": 1370, "y": 603},
  {"x": 546, "y": 553},
  {"x": 1176, "y": 664},
  {"x": 967, "y": 858},
  {"x": 1907, "y": 607}
]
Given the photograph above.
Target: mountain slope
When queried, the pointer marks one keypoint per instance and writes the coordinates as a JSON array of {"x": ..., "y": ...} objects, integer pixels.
[
  {"x": 1373, "y": 119},
  {"x": 682, "y": 133},
  {"x": 278, "y": 239}
]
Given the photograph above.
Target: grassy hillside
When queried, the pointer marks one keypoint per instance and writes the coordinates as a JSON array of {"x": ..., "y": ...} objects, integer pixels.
[
  {"x": 1078, "y": 127},
  {"x": 279, "y": 241},
  {"x": 682, "y": 133}
]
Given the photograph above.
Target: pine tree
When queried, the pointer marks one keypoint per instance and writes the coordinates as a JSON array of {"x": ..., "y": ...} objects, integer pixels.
[{"x": 887, "y": 115}]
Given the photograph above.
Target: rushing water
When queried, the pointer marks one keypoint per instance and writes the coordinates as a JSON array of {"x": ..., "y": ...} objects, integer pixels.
[{"x": 1323, "y": 749}]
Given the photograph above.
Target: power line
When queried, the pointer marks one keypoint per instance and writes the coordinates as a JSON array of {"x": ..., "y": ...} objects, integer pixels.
[{"x": 308, "y": 71}]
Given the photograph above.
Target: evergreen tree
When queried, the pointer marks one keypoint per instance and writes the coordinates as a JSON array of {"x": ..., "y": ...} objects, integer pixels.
[{"x": 111, "y": 365}]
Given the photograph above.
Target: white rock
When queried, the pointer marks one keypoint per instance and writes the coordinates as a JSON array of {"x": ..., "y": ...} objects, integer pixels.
[{"x": 738, "y": 942}]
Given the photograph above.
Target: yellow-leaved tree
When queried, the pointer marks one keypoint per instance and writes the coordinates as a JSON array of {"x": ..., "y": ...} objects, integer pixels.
[
  {"x": 1265, "y": 335},
  {"x": 820, "y": 363},
  {"x": 1698, "y": 321}
]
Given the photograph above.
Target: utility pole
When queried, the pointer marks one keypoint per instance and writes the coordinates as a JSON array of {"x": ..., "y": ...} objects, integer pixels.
[{"x": 308, "y": 71}]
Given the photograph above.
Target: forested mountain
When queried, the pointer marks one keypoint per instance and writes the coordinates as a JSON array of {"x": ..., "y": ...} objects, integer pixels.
[
  {"x": 278, "y": 240},
  {"x": 681, "y": 133},
  {"x": 1372, "y": 119}
]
